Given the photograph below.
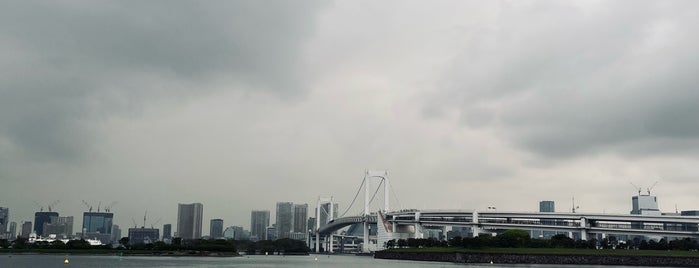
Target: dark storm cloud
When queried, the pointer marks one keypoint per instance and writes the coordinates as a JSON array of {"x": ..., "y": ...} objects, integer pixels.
[
  {"x": 563, "y": 80},
  {"x": 65, "y": 65}
]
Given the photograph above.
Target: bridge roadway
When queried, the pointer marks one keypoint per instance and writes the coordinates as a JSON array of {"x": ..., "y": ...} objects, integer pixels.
[
  {"x": 586, "y": 224},
  {"x": 340, "y": 223}
]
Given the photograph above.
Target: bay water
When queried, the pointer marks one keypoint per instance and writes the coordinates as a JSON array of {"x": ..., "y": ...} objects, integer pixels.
[{"x": 312, "y": 261}]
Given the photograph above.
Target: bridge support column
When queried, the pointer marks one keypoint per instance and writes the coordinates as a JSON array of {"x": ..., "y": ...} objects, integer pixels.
[
  {"x": 418, "y": 226},
  {"x": 331, "y": 217},
  {"x": 474, "y": 228},
  {"x": 583, "y": 228},
  {"x": 318, "y": 227}
]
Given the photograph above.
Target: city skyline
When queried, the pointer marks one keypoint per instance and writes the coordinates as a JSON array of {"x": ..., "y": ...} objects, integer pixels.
[{"x": 238, "y": 105}]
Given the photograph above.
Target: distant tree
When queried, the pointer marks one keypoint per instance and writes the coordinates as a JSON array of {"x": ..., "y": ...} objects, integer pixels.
[
  {"x": 4, "y": 243},
  {"x": 391, "y": 243},
  {"x": 78, "y": 244},
  {"x": 124, "y": 241},
  {"x": 455, "y": 241},
  {"x": 402, "y": 243},
  {"x": 514, "y": 238},
  {"x": 643, "y": 245},
  {"x": 538, "y": 243},
  {"x": 58, "y": 244},
  {"x": 177, "y": 242},
  {"x": 19, "y": 243},
  {"x": 562, "y": 241}
]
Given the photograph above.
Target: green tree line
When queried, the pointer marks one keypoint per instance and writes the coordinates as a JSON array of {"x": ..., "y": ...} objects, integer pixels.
[{"x": 520, "y": 239}]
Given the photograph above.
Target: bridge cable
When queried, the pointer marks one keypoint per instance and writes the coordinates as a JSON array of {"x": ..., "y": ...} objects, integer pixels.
[
  {"x": 395, "y": 196},
  {"x": 377, "y": 191},
  {"x": 355, "y": 198}
]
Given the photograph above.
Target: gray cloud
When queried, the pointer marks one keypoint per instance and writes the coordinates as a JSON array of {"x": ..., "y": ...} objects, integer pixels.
[
  {"x": 67, "y": 65},
  {"x": 564, "y": 80}
]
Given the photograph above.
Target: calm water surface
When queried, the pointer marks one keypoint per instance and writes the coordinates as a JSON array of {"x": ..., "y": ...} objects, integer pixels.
[{"x": 77, "y": 261}]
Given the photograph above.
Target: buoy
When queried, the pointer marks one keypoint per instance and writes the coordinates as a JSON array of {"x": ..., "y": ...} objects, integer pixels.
[
  {"x": 491, "y": 262},
  {"x": 316, "y": 258},
  {"x": 66, "y": 261}
]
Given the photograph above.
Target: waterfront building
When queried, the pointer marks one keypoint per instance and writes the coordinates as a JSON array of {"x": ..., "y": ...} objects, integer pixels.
[
  {"x": 62, "y": 227},
  {"x": 167, "y": 231},
  {"x": 284, "y": 219},
  {"x": 42, "y": 217},
  {"x": 189, "y": 220},
  {"x": 143, "y": 235},
  {"x": 259, "y": 221},
  {"x": 216, "y": 228},
  {"x": 116, "y": 233}
]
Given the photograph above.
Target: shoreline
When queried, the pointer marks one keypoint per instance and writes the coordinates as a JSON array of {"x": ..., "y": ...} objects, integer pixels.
[
  {"x": 515, "y": 258},
  {"x": 117, "y": 253}
]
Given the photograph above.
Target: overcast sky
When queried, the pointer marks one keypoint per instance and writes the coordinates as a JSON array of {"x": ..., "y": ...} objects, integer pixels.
[{"x": 240, "y": 104}]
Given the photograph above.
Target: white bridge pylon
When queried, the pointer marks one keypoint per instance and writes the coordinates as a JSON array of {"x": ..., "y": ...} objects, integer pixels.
[
  {"x": 383, "y": 177},
  {"x": 321, "y": 201}
]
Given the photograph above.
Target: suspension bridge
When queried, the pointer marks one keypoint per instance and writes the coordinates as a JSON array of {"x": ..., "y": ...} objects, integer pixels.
[{"x": 413, "y": 223}]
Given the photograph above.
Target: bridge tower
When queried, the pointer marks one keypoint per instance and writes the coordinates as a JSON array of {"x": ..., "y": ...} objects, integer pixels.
[
  {"x": 383, "y": 176},
  {"x": 321, "y": 201}
]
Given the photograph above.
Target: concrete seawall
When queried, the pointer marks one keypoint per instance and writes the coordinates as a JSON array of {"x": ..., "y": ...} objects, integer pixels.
[{"x": 540, "y": 259}]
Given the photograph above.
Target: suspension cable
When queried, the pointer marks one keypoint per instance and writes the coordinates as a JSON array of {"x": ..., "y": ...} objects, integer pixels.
[{"x": 354, "y": 199}]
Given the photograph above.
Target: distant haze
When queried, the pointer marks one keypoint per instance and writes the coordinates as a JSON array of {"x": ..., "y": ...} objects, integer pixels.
[{"x": 240, "y": 104}]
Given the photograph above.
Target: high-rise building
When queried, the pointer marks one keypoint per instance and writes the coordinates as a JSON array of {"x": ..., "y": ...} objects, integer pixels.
[
  {"x": 259, "y": 220},
  {"x": 98, "y": 225},
  {"x": 234, "y": 232},
  {"x": 167, "y": 231},
  {"x": 285, "y": 219},
  {"x": 4, "y": 219},
  {"x": 300, "y": 226},
  {"x": 26, "y": 229},
  {"x": 12, "y": 231},
  {"x": 189, "y": 219},
  {"x": 216, "y": 228},
  {"x": 42, "y": 217},
  {"x": 301, "y": 218},
  {"x": 547, "y": 206},
  {"x": 645, "y": 205},
  {"x": 311, "y": 223},
  {"x": 97, "y": 222},
  {"x": 239, "y": 233}
]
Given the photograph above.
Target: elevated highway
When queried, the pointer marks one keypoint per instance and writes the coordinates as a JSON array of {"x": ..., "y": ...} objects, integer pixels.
[{"x": 586, "y": 224}]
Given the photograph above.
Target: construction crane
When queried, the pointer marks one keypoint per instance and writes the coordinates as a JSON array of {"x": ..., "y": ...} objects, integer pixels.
[
  {"x": 53, "y": 205},
  {"x": 156, "y": 222},
  {"x": 144, "y": 219},
  {"x": 637, "y": 188},
  {"x": 108, "y": 208},
  {"x": 41, "y": 208},
  {"x": 651, "y": 187},
  {"x": 88, "y": 206}
]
